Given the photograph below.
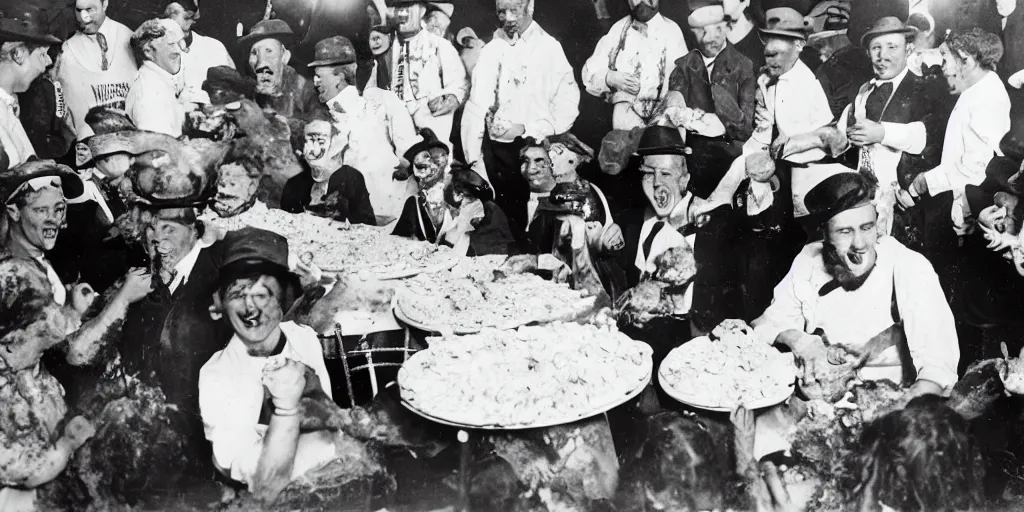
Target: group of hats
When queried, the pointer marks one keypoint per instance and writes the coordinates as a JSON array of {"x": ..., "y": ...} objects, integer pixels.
[{"x": 26, "y": 25}]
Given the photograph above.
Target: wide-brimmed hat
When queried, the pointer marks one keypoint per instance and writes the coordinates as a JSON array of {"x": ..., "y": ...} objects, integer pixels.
[
  {"x": 865, "y": 14},
  {"x": 429, "y": 141},
  {"x": 884, "y": 26},
  {"x": 836, "y": 194},
  {"x": 250, "y": 251},
  {"x": 267, "y": 29},
  {"x": 11, "y": 180},
  {"x": 661, "y": 140},
  {"x": 333, "y": 51},
  {"x": 786, "y": 22},
  {"x": 24, "y": 26}
]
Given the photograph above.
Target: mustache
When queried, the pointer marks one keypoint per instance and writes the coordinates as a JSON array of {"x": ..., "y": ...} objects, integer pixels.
[{"x": 264, "y": 70}]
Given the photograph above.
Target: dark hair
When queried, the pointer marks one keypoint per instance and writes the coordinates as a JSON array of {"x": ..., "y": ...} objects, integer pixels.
[
  {"x": 105, "y": 119},
  {"x": 320, "y": 113},
  {"x": 984, "y": 47},
  {"x": 467, "y": 182},
  {"x": 149, "y": 31},
  {"x": 530, "y": 143},
  {"x": 921, "y": 458},
  {"x": 242, "y": 153},
  {"x": 289, "y": 283}
]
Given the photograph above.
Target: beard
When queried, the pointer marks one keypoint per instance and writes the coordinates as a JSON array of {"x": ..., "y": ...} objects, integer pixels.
[
  {"x": 644, "y": 12},
  {"x": 836, "y": 267}
]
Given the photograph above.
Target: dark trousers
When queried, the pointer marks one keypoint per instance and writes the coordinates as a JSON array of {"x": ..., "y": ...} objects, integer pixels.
[{"x": 511, "y": 191}]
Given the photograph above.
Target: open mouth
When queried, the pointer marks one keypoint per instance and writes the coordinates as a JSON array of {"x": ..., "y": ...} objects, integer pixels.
[
  {"x": 251, "y": 319},
  {"x": 855, "y": 257},
  {"x": 661, "y": 197},
  {"x": 50, "y": 233}
]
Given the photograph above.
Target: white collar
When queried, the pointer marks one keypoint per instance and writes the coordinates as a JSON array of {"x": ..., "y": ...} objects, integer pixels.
[
  {"x": 895, "y": 81},
  {"x": 800, "y": 71},
  {"x": 538, "y": 195},
  {"x": 107, "y": 29},
  {"x": 531, "y": 32},
  {"x": 985, "y": 85},
  {"x": 8, "y": 99},
  {"x": 292, "y": 331},
  {"x": 183, "y": 269},
  {"x": 348, "y": 98},
  {"x": 150, "y": 65}
]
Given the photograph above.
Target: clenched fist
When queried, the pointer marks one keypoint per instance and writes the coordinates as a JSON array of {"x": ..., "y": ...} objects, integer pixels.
[{"x": 285, "y": 379}]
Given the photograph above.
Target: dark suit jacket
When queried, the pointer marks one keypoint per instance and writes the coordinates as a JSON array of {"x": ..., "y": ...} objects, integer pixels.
[
  {"x": 491, "y": 234},
  {"x": 729, "y": 93},
  {"x": 715, "y": 293},
  {"x": 346, "y": 198},
  {"x": 50, "y": 135},
  {"x": 842, "y": 75}
]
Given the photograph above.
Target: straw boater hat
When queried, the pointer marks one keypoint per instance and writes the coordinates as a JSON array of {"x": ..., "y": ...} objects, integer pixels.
[{"x": 705, "y": 12}]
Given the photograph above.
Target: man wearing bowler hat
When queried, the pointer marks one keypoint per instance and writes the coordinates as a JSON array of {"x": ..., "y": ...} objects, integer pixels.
[
  {"x": 24, "y": 55},
  {"x": 670, "y": 220},
  {"x": 426, "y": 71},
  {"x": 374, "y": 123},
  {"x": 278, "y": 85},
  {"x": 201, "y": 52}
]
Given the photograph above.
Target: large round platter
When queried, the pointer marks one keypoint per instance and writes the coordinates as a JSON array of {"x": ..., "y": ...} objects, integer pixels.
[
  {"x": 778, "y": 374},
  {"x": 533, "y": 377},
  {"x": 447, "y": 264}
]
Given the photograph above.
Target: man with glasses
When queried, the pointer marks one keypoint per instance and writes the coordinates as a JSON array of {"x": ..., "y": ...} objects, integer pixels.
[
  {"x": 155, "y": 99},
  {"x": 201, "y": 52}
]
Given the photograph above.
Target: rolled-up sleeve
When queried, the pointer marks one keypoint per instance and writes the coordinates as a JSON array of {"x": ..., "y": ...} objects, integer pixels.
[
  {"x": 786, "y": 311},
  {"x": 927, "y": 320}
]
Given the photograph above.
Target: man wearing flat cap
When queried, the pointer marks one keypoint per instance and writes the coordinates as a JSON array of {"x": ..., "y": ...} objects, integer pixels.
[
  {"x": 24, "y": 55},
  {"x": 716, "y": 84},
  {"x": 96, "y": 65},
  {"x": 426, "y": 71},
  {"x": 278, "y": 85},
  {"x": 670, "y": 220},
  {"x": 200, "y": 53},
  {"x": 855, "y": 286},
  {"x": 631, "y": 64},
  {"x": 374, "y": 125}
]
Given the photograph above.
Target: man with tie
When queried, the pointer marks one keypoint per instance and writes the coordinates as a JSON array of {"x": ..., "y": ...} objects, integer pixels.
[
  {"x": 96, "y": 65},
  {"x": 426, "y": 71},
  {"x": 631, "y": 65},
  {"x": 156, "y": 99},
  {"x": 670, "y": 220},
  {"x": 890, "y": 123},
  {"x": 523, "y": 86}
]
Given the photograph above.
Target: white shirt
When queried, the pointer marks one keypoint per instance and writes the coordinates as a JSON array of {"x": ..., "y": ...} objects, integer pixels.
[
  {"x": 529, "y": 83},
  {"x": 154, "y": 100},
  {"x": 60, "y": 295},
  {"x": 649, "y": 50},
  {"x": 899, "y": 137},
  {"x": 852, "y": 318},
  {"x": 183, "y": 269},
  {"x": 12, "y": 134},
  {"x": 231, "y": 398},
  {"x": 203, "y": 54},
  {"x": 978, "y": 123},
  {"x": 378, "y": 129},
  {"x": 799, "y": 105},
  {"x": 667, "y": 238},
  {"x": 432, "y": 69}
]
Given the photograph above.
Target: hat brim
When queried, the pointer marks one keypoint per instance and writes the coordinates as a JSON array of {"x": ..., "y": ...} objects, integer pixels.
[
  {"x": 247, "y": 41},
  {"x": 422, "y": 146},
  {"x": 330, "y": 62},
  {"x": 905, "y": 31},
  {"x": 70, "y": 183},
  {"x": 245, "y": 268},
  {"x": 789, "y": 34},
  {"x": 7, "y": 35},
  {"x": 665, "y": 150}
]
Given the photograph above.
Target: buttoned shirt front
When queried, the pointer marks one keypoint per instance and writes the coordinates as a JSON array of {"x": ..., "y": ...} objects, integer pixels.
[
  {"x": 16, "y": 143},
  {"x": 231, "y": 398},
  {"x": 799, "y": 105},
  {"x": 851, "y": 318},
  {"x": 527, "y": 81},
  {"x": 154, "y": 100},
  {"x": 668, "y": 237}
]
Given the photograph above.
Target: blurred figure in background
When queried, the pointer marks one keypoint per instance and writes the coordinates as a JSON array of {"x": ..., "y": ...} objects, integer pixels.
[{"x": 200, "y": 54}]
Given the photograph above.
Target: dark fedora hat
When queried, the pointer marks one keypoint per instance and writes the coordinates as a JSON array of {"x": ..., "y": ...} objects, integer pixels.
[
  {"x": 661, "y": 140},
  {"x": 786, "y": 22},
  {"x": 267, "y": 29},
  {"x": 252, "y": 251},
  {"x": 12, "y": 179},
  {"x": 333, "y": 51},
  {"x": 836, "y": 194},
  {"x": 24, "y": 26},
  {"x": 429, "y": 141},
  {"x": 465, "y": 178},
  {"x": 885, "y": 26}
]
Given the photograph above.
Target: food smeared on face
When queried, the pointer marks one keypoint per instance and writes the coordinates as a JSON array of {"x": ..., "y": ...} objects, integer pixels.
[
  {"x": 40, "y": 215},
  {"x": 535, "y": 164},
  {"x": 169, "y": 240},
  {"x": 236, "y": 189},
  {"x": 849, "y": 246},
  {"x": 665, "y": 178},
  {"x": 253, "y": 306},
  {"x": 267, "y": 60},
  {"x": 428, "y": 167},
  {"x": 564, "y": 163}
]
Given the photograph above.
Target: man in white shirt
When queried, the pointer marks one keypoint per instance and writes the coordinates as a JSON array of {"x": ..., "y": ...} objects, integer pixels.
[
  {"x": 979, "y": 121},
  {"x": 201, "y": 53},
  {"x": 96, "y": 64},
  {"x": 375, "y": 125},
  {"x": 426, "y": 71},
  {"x": 155, "y": 101},
  {"x": 631, "y": 64},
  {"x": 24, "y": 55},
  {"x": 250, "y": 392},
  {"x": 523, "y": 86}
]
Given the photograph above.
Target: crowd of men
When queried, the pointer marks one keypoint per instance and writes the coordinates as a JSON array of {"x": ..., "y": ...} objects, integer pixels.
[{"x": 831, "y": 184}]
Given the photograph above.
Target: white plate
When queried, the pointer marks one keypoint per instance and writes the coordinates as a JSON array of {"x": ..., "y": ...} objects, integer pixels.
[{"x": 401, "y": 295}]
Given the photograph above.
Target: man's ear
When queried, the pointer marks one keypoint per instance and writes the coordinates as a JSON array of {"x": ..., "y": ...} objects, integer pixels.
[
  {"x": 13, "y": 213},
  {"x": 105, "y": 4},
  {"x": 285, "y": 57},
  {"x": 20, "y": 54},
  {"x": 217, "y": 308}
]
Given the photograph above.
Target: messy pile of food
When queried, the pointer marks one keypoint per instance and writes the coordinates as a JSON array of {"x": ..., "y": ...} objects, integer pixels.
[
  {"x": 341, "y": 247},
  {"x": 533, "y": 376},
  {"x": 731, "y": 370},
  {"x": 443, "y": 302}
]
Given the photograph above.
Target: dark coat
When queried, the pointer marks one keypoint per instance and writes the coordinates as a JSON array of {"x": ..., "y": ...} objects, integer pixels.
[
  {"x": 346, "y": 198},
  {"x": 298, "y": 98},
  {"x": 715, "y": 294},
  {"x": 752, "y": 48},
  {"x": 491, "y": 234},
  {"x": 842, "y": 75},
  {"x": 51, "y": 137}
]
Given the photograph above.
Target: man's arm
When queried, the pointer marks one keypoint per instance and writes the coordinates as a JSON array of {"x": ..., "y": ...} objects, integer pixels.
[
  {"x": 456, "y": 82},
  {"x": 481, "y": 99},
  {"x": 783, "y": 321},
  {"x": 400, "y": 125},
  {"x": 564, "y": 103},
  {"x": 85, "y": 342},
  {"x": 277, "y": 456},
  {"x": 927, "y": 320},
  {"x": 738, "y": 115},
  {"x": 981, "y": 136},
  {"x": 595, "y": 71},
  {"x": 360, "y": 210}
]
